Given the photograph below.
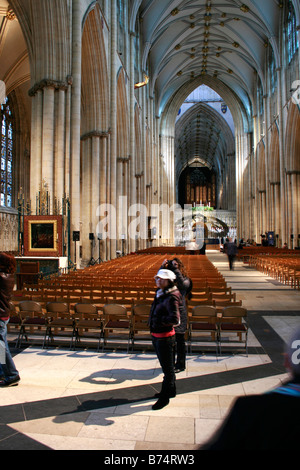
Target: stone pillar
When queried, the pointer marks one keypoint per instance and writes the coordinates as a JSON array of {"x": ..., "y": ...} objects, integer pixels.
[
  {"x": 59, "y": 156},
  {"x": 132, "y": 179},
  {"x": 75, "y": 121},
  {"x": 36, "y": 147},
  {"x": 50, "y": 140},
  {"x": 113, "y": 123}
]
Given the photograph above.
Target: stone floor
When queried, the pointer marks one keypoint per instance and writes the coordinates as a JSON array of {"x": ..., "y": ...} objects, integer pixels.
[{"x": 85, "y": 400}]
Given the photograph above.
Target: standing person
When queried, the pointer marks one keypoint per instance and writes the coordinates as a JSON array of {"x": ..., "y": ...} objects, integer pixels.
[
  {"x": 231, "y": 251},
  {"x": 184, "y": 284},
  {"x": 164, "y": 316},
  {"x": 8, "y": 372}
]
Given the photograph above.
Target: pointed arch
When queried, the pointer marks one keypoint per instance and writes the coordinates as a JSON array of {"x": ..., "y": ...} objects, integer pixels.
[
  {"x": 274, "y": 163},
  {"x": 261, "y": 167},
  {"x": 122, "y": 117},
  {"x": 292, "y": 139},
  {"x": 95, "y": 83}
]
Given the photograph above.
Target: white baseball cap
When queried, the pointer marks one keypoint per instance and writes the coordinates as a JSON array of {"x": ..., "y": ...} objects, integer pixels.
[{"x": 166, "y": 274}]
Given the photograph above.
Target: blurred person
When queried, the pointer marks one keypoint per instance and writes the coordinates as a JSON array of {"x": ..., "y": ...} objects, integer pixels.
[
  {"x": 164, "y": 317},
  {"x": 269, "y": 421},
  {"x": 231, "y": 252},
  {"x": 184, "y": 284},
  {"x": 8, "y": 372}
]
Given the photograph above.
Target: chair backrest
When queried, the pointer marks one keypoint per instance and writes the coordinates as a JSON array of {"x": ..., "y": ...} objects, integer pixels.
[
  {"x": 86, "y": 308},
  {"x": 12, "y": 308},
  {"x": 141, "y": 309},
  {"x": 57, "y": 307},
  {"x": 114, "y": 309},
  {"x": 30, "y": 306},
  {"x": 204, "y": 311},
  {"x": 234, "y": 311}
]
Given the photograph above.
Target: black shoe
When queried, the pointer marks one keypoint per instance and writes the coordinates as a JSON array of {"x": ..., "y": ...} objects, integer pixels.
[
  {"x": 179, "y": 369},
  {"x": 161, "y": 403},
  {"x": 10, "y": 382}
]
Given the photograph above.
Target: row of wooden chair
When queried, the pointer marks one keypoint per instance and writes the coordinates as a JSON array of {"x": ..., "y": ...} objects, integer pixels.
[
  {"x": 245, "y": 254},
  {"x": 218, "y": 297},
  {"x": 231, "y": 320},
  {"x": 285, "y": 269},
  {"x": 116, "y": 324}
]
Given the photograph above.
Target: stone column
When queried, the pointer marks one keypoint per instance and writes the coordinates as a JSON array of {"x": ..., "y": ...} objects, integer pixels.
[
  {"x": 59, "y": 156},
  {"x": 113, "y": 123},
  {"x": 132, "y": 179},
  {"x": 75, "y": 120},
  {"x": 50, "y": 140},
  {"x": 36, "y": 147}
]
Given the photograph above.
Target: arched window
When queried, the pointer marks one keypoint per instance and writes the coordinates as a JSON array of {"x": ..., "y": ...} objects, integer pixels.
[
  {"x": 273, "y": 73},
  {"x": 121, "y": 29},
  {"x": 6, "y": 155},
  {"x": 291, "y": 33}
]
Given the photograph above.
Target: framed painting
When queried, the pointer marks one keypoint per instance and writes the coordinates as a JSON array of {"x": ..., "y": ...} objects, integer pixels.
[{"x": 43, "y": 236}]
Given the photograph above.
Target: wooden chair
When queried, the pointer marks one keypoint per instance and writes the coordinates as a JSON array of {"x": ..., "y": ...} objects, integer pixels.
[
  {"x": 194, "y": 302},
  {"x": 140, "y": 327},
  {"x": 234, "y": 323},
  {"x": 88, "y": 323},
  {"x": 117, "y": 324},
  {"x": 33, "y": 321},
  {"x": 61, "y": 322},
  {"x": 15, "y": 321},
  {"x": 203, "y": 325}
]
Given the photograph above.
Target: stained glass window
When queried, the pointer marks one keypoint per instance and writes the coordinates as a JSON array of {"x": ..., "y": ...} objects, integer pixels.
[
  {"x": 6, "y": 155},
  {"x": 291, "y": 31}
]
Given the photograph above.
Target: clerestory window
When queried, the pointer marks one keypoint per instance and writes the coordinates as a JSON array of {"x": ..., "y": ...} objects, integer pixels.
[
  {"x": 6, "y": 155},
  {"x": 291, "y": 32}
]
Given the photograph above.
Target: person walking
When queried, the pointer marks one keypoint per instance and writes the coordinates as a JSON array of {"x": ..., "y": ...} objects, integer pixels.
[
  {"x": 164, "y": 317},
  {"x": 8, "y": 372},
  {"x": 231, "y": 251}
]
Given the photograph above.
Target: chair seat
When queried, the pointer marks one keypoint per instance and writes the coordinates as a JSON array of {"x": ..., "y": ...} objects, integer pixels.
[
  {"x": 204, "y": 326},
  {"x": 35, "y": 321},
  {"x": 62, "y": 322},
  {"x": 89, "y": 324},
  {"x": 117, "y": 324},
  {"x": 233, "y": 327},
  {"x": 15, "y": 320}
]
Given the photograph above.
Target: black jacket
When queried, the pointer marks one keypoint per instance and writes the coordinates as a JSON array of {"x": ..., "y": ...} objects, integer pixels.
[
  {"x": 165, "y": 310},
  {"x": 7, "y": 283}
]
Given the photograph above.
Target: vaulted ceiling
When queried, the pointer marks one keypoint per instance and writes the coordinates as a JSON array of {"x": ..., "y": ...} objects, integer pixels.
[
  {"x": 14, "y": 61},
  {"x": 221, "y": 43},
  {"x": 185, "y": 39}
]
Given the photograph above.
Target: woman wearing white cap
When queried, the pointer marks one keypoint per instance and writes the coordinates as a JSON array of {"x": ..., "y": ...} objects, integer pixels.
[{"x": 164, "y": 316}]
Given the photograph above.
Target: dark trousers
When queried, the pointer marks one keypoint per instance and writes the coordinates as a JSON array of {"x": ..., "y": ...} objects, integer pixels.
[
  {"x": 164, "y": 348},
  {"x": 180, "y": 351},
  {"x": 7, "y": 365},
  {"x": 231, "y": 261}
]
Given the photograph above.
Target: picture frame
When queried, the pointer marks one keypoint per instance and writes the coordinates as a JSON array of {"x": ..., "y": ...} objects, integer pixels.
[{"x": 43, "y": 236}]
